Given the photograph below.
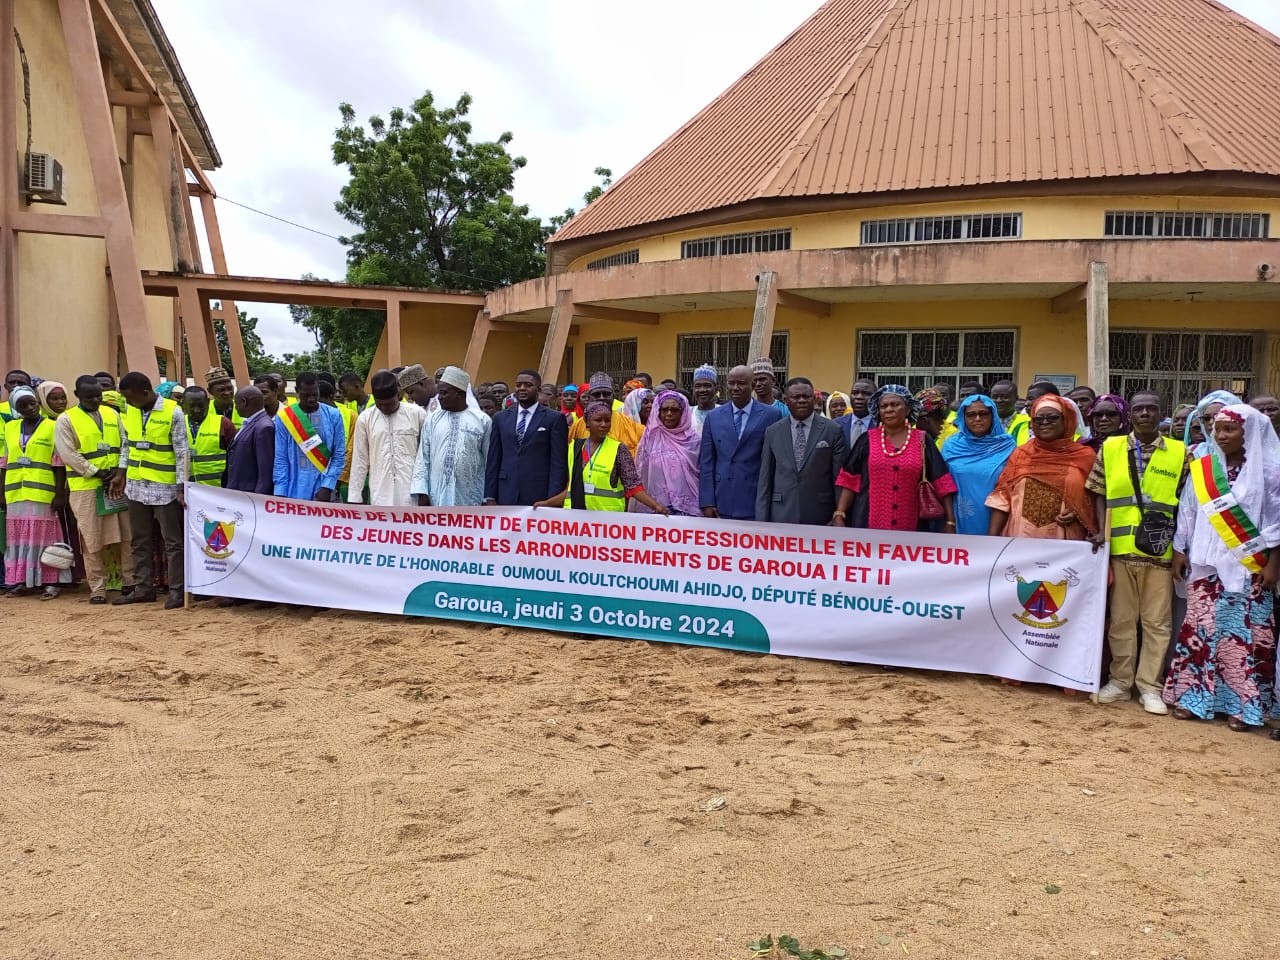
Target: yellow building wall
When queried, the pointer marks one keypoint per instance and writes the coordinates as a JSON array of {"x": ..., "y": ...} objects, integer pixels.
[
  {"x": 63, "y": 293},
  {"x": 1043, "y": 218},
  {"x": 824, "y": 349},
  {"x": 438, "y": 336}
]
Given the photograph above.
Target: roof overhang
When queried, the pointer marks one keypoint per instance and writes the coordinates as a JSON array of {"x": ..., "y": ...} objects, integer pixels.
[{"x": 141, "y": 26}]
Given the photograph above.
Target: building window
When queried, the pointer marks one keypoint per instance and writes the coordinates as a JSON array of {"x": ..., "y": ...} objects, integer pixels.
[
  {"x": 615, "y": 260},
  {"x": 1180, "y": 224},
  {"x": 762, "y": 241},
  {"x": 968, "y": 226},
  {"x": 617, "y": 358},
  {"x": 920, "y": 358},
  {"x": 1181, "y": 367},
  {"x": 725, "y": 351}
]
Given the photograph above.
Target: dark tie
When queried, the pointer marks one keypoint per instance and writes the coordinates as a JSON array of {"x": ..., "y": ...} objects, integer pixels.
[
  {"x": 740, "y": 420},
  {"x": 520, "y": 427},
  {"x": 800, "y": 443}
]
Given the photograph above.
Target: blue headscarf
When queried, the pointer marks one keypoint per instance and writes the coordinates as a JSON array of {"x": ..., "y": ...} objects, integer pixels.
[
  {"x": 976, "y": 463},
  {"x": 898, "y": 390}
]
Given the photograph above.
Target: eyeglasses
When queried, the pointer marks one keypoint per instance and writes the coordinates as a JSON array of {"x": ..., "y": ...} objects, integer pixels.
[
  {"x": 601, "y": 394},
  {"x": 1047, "y": 419}
]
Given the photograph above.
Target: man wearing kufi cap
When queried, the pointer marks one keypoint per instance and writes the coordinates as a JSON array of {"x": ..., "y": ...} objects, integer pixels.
[
  {"x": 223, "y": 394},
  {"x": 762, "y": 381},
  {"x": 623, "y": 429},
  {"x": 384, "y": 447},
  {"x": 706, "y": 383},
  {"x": 417, "y": 385},
  {"x": 455, "y": 446}
]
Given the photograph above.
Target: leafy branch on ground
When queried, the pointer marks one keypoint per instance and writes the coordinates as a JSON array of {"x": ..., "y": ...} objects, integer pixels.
[{"x": 764, "y": 948}]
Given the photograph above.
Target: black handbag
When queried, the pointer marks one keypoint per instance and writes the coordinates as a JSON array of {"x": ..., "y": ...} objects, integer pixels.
[{"x": 1154, "y": 533}]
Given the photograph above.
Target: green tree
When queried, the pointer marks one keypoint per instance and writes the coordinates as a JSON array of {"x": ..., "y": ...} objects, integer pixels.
[
  {"x": 560, "y": 219},
  {"x": 345, "y": 339},
  {"x": 255, "y": 352},
  {"x": 433, "y": 208}
]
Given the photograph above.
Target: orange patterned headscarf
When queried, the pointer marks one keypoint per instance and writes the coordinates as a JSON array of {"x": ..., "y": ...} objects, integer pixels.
[{"x": 1061, "y": 464}]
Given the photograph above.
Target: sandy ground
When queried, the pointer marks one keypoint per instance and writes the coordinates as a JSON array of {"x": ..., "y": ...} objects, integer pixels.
[{"x": 290, "y": 783}]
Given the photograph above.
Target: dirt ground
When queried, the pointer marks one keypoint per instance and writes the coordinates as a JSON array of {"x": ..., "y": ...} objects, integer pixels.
[{"x": 290, "y": 783}]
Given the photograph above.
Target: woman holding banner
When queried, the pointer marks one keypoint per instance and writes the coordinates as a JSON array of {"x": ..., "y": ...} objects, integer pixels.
[
  {"x": 602, "y": 474},
  {"x": 1041, "y": 491},
  {"x": 887, "y": 467},
  {"x": 976, "y": 455},
  {"x": 667, "y": 457},
  {"x": 1224, "y": 547}
]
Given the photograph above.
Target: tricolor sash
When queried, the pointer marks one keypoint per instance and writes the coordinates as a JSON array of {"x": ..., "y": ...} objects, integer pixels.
[
  {"x": 305, "y": 436},
  {"x": 1226, "y": 515}
]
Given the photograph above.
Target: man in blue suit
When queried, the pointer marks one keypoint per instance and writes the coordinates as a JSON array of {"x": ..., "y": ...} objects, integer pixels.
[
  {"x": 529, "y": 449},
  {"x": 732, "y": 446}
]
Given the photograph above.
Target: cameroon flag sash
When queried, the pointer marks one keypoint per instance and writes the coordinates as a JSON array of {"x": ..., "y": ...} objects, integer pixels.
[
  {"x": 305, "y": 436},
  {"x": 1225, "y": 515}
]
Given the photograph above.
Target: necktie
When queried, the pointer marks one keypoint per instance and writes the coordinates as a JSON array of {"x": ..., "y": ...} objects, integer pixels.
[
  {"x": 740, "y": 421},
  {"x": 800, "y": 443},
  {"x": 520, "y": 427}
]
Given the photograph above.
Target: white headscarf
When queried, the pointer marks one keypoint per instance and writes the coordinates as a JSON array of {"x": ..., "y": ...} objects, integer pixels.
[{"x": 1256, "y": 489}]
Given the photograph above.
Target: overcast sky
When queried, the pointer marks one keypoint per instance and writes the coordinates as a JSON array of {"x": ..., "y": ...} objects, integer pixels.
[{"x": 579, "y": 83}]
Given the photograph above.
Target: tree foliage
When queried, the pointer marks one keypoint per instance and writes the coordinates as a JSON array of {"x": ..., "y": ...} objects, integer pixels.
[
  {"x": 255, "y": 352},
  {"x": 433, "y": 208}
]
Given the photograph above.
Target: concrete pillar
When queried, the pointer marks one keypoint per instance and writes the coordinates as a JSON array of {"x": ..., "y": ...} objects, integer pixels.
[
  {"x": 766, "y": 309},
  {"x": 1098, "y": 328},
  {"x": 557, "y": 336}
]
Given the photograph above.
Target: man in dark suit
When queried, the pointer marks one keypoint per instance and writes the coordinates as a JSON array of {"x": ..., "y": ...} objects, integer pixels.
[
  {"x": 858, "y": 420},
  {"x": 802, "y": 457},
  {"x": 251, "y": 456},
  {"x": 528, "y": 451},
  {"x": 729, "y": 461}
]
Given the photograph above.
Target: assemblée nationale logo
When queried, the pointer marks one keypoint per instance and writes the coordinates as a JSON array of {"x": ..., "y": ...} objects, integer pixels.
[
  {"x": 219, "y": 531},
  {"x": 1042, "y": 600}
]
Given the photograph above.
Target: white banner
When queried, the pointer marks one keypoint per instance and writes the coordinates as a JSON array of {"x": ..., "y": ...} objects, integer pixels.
[{"x": 1028, "y": 610}]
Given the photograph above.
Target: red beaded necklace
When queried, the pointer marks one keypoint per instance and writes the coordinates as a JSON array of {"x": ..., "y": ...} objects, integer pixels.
[{"x": 891, "y": 452}]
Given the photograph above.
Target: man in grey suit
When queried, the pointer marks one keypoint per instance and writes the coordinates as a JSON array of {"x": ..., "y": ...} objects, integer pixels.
[{"x": 803, "y": 455}]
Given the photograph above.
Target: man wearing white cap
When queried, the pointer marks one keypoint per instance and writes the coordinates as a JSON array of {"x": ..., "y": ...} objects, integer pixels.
[
  {"x": 455, "y": 447},
  {"x": 706, "y": 383}
]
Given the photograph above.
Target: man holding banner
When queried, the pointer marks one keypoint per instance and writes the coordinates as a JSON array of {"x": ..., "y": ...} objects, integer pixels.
[{"x": 311, "y": 445}]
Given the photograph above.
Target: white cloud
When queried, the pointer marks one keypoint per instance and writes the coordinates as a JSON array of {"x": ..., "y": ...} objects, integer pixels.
[{"x": 580, "y": 84}]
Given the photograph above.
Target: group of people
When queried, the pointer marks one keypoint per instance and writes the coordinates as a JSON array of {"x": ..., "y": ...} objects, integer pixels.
[{"x": 1189, "y": 506}]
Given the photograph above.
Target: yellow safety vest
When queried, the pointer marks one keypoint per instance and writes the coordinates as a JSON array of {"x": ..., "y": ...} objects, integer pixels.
[
  {"x": 29, "y": 474},
  {"x": 1159, "y": 489},
  {"x": 6, "y": 411},
  {"x": 151, "y": 453},
  {"x": 349, "y": 417},
  {"x": 99, "y": 445},
  {"x": 207, "y": 457},
  {"x": 597, "y": 478},
  {"x": 1020, "y": 428}
]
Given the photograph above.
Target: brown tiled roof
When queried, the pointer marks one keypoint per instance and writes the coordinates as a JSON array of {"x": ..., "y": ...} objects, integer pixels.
[{"x": 873, "y": 96}]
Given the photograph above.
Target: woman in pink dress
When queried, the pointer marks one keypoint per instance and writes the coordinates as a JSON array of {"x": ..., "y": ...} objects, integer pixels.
[{"x": 881, "y": 477}]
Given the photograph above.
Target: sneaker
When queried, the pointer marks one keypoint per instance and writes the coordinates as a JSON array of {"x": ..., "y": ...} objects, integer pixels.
[
  {"x": 1112, "y": 692},
  {"x": 1152, "y": 703}
]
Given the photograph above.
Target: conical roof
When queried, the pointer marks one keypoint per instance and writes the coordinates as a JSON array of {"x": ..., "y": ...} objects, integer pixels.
[{"x": 878, "y": 96}]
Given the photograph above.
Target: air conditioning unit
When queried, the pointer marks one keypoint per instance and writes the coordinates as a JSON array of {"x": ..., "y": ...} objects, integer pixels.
[{"x": 44, "y": 179}]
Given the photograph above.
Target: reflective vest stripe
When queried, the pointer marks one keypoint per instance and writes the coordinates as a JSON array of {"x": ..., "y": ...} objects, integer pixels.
[
  {"x": 159, "y": 463},
  {"x": 598, "y": 472},
  {"x": 29, "y": 481},
  {"x": 1159, "y": 488},
  {"x": 208, "y": 459},
  {"x": 91, "y": 438}
]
